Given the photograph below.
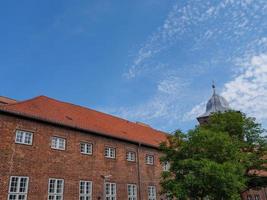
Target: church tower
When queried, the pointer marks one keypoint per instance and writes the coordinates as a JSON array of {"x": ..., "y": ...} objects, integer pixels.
[{"x": 215, "y": 104}]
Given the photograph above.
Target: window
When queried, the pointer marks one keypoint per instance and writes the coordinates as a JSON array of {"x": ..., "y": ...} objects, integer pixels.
[
  {"x": 58, "y": 143},
  {"x": 149, "y": 159},
  {"x": 55, "y": 189},
  {"x": 168, "y": 196},
  {"x": 166, "y": 166},
  {"x": 152, "y": 193},
  {"x": 85, "y": 190},
  {"x": 130, "y": 156},
  {"x": 249, "y": 197},
  {"x": 18, "y": 188},
  {"x": 257, "y": 197},
  {"x": 132, "y": 192},
  {"x": 23, "y": 137},
  {"x": 110, "y": 152},
  {"x": 110, "y": 191},
  {"x": 86, "y": 148}
]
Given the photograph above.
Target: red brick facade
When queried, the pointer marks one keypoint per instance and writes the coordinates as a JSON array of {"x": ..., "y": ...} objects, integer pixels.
[
  {"x": 46, "y": 118},
  {"x": 255, "y": 194},
  {"x": 39, "y": 162}
]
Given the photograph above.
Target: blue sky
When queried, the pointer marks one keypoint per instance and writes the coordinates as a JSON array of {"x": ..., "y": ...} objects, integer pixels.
[{"x": 145, "y": 60}]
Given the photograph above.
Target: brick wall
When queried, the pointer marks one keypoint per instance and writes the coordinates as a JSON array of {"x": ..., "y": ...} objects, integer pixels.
[
  {"x": 39, "y": 162},
  {"x": 253, "y": 193}
]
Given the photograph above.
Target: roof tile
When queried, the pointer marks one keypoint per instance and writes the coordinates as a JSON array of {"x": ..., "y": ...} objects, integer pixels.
[{"x": 68, "y": 114}]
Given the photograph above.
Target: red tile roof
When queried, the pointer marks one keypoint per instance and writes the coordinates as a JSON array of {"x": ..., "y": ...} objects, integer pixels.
[
  {"x": 6, "y": 100},
  {"x": 54, "y": 111}
]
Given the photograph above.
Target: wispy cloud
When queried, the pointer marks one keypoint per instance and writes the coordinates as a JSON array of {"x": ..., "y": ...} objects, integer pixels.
[
  {"x": 163, "y": 108},
  {"x": 232, "y": 32},
  {"x": 208, "y": 20},
  {"x": 248, "y": 90},
  {"x": 195, "y": 112}
]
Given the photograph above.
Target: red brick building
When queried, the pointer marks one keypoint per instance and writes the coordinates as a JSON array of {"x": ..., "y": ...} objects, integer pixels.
[{"x": 56, "y": 150}]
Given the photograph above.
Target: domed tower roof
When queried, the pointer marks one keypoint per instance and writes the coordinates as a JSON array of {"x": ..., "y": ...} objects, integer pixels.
[{"x": 215, "y": 104}]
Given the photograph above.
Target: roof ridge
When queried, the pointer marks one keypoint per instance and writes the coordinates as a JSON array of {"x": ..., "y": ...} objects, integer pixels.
[
  {"x": 103, "y": 113},
  {"x": 8, "y": 98},
  {"x": 19, "y": 102},
  {"x": 84, "y": 118}
]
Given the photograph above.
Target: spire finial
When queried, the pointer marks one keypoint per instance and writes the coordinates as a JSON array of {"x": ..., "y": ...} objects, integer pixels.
[{"x": 213, "y": 87}]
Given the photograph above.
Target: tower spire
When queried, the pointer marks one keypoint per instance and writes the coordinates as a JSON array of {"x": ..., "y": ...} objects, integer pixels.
[
  {"x": 215, "y": 104},
  {"x": 213, "y": 87}
]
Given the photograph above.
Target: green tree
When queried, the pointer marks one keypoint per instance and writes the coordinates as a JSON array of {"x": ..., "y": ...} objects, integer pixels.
[{"x": 216, "y": 160}]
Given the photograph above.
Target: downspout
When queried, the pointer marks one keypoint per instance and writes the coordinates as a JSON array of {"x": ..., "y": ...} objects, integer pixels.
[{"x": 138, "y": 172}]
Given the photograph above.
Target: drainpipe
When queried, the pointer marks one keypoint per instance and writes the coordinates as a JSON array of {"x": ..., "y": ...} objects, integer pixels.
[
  {"x": 138, "y": 172},
  {"x": 104, "y": 186}
]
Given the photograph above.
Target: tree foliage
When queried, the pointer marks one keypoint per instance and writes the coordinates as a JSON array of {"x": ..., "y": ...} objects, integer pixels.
[{"x": 216, "y": 160}]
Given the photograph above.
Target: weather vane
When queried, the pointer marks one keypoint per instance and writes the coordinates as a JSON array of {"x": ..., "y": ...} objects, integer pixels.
[{"x": 213, "y": 86}]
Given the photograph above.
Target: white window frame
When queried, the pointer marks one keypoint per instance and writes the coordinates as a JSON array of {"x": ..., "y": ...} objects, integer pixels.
[
  {"x": 84, "y": 194},
  {"x": 110, "y": 191},
  {"x": 110, "y": 152},
  {"x": 249, "y": 197},
  {"x": 56, "y": 143},
  {"x": 130, "y": 156},
  {"x": 132, "y": 191},
  {"x": 152, "y": 192},
  {"x": 23, "y": 136},
  {"x": 166, "y": 166},
  {"x": 86, "y": 148},
  {"x": 150, "y": 159},
  {"x": 17, "y": 193},
  {"x": 257, "y": 197},
  {"x": 54, "y": 194}
]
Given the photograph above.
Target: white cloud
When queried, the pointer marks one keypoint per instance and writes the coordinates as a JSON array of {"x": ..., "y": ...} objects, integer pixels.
[
  {"x": 172, "y": 85},
  {"x": 227, "y": 19},
  {"x": 240, "y": 23},
  {"x": 161, "y": 110},
  {"x": 195, "y": 112},
  {"x": 247, "y": 91}
]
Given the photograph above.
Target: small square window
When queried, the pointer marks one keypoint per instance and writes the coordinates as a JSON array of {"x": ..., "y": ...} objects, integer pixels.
[
  {"x": 23, "y": 137},
  {"x": 58, "y": 143},
  {"x": 150, "y": 159},
  {"x": 130, "y": 156},
  {"x": 110, "y": 152},
  {"x": 86, "y": 148}
]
